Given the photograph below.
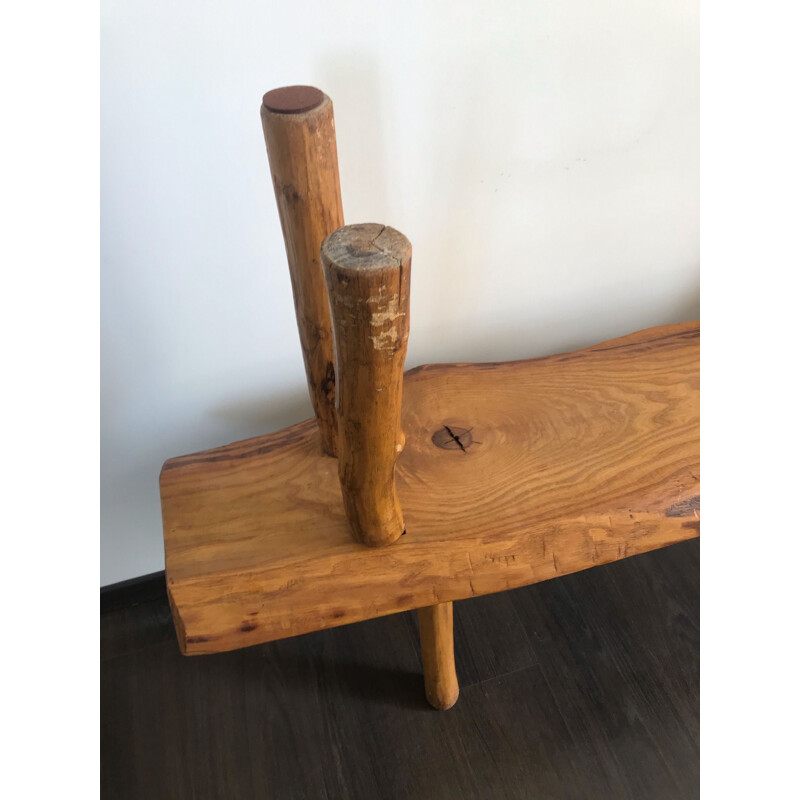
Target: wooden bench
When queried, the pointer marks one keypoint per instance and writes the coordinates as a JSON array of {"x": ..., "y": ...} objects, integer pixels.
[{"x": 465, "y": 479}]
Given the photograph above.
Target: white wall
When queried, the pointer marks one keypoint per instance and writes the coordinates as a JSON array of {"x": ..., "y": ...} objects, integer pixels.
[{"x": 541, "y": 156}]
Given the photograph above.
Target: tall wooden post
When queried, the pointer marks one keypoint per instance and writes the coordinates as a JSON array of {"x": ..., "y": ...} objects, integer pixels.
[
  {"x": 368, "y": 270},
  {"x": 301, "y": 146}
]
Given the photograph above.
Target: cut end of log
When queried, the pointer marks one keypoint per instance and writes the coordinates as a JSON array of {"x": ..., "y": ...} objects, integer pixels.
[
  {"x": 368, "y": 246},
  {"x": 293, "y": 99}
]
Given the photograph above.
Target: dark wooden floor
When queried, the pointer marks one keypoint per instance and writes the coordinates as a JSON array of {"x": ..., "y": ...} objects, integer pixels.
[{"x": 582, "y": 687}]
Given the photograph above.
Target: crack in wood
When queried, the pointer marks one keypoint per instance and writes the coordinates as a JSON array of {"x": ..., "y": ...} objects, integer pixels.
[
  {"x": 449, "y": 437},
  {"x": 455, "y": 438}
]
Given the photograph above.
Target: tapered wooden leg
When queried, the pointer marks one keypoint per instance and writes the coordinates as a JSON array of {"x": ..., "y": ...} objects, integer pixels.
[{"x": 438, "y": 660}]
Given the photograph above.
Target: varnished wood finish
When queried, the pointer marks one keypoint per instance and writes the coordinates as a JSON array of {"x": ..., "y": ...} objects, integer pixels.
[
  {"x": 293, "y": 99},
  {"x": 575, "y": 460},
  {"x": 301, "y": 146},
  {"x": 582, "y": 688},
  {"x": 368, "y": 269},
  {"x": 438, "y": 659}
]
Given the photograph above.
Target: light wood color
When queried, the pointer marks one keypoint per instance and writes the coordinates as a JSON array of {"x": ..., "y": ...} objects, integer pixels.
[
  {"x": 438, "y": 659},
  {"x": 368, "y": 269},
  {"x": 301, "y": 145},
  {"x": 568, "y": 462}
]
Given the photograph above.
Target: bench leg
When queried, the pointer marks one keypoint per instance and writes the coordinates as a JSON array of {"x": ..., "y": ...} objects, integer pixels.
[{"x": 438, "y": 660}]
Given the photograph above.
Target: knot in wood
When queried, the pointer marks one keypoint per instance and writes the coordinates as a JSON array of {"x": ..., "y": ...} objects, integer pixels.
[{"x": 450, "y": 437}]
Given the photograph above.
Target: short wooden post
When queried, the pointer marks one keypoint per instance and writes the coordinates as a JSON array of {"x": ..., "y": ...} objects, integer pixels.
[
  {"x": 438, "y": 660},
  {"x": 368, "y": 268},
  {"x": 301, "y": 146}
]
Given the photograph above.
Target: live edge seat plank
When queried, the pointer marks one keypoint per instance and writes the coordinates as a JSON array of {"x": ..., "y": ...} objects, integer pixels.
[{"x": 512, "y": 473}]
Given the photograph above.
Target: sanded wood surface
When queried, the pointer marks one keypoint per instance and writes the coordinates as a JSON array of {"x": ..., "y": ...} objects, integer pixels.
[
  {"x": 368, "y": 271},
  {"x": 301, "y": 146},
  {"x": 566, "y": 462}
]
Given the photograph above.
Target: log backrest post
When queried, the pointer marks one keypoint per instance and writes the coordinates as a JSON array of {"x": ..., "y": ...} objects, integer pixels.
[
  {"x": 301, "y": 146},
  {"x": 368, "y": 269}
]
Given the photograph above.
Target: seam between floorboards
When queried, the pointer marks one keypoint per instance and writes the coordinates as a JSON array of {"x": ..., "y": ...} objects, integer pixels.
[{"x": 498, "y": 677}]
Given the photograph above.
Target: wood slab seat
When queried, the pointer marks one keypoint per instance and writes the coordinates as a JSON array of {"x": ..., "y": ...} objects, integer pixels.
[{"x": 512, "y": 473}]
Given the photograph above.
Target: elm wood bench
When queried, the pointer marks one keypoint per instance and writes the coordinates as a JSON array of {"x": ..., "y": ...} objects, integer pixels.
[{"x": 411, "y": 491}]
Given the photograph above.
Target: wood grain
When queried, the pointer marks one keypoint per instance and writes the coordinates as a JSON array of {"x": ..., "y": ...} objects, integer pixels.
[
  {"x": 368, "y": 269},
  {"x": 438, "y": 658},
  {"x": 574, "y": 461},
  {"x": 301, "y": 145}
]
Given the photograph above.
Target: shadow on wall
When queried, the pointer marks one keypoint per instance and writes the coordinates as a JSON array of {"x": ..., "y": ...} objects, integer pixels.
[
  {"x": 458, "y": 230},
  {"x": 353, "y": 78},
  {"x": 261, "y": 414},
  {"x": 542, "y": 331},
  {"x": 349, "y": 77},
  {"x": 265, "y": 414}
]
